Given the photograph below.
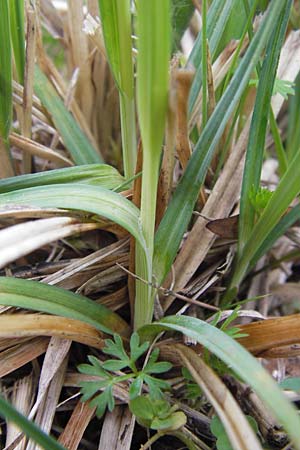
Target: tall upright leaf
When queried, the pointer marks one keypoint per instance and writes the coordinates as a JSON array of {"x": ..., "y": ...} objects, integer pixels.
[
  {"x": 286, "y": 191},
  {"x": 116, "y": 25},
  {"x": 6, "y": 168},
  {"x": 217, "y": 17},
  {"x": 154, "y": 42},
  {"x": 18, "y": 36},
  {"x": 256, "y": 143},
  {"x": 178, "y": 214},
  {"x": 5, "y": 71}
]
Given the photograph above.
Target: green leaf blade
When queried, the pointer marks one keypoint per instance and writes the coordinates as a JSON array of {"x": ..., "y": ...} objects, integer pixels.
[
  {"x": 29, "y": 428},
  {"x": 37, "y": 296},
  {"x": 94, "y": 174},
  {"x": 6, "y": 72},
  {"x": 179, "y": 211},
  {"x": 74, "y": 139},
  {"x": 18, "y": 36},
  {"x": 258, "y": 128}
]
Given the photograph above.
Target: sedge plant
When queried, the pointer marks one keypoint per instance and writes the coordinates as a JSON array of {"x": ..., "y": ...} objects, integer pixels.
[{"x": 92, "y": 189}]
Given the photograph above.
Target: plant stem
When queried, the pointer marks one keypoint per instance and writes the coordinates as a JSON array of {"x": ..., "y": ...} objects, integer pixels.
[
  {"x": 128, "y": 129},
  {"x": 154, "y": 33},
  {"x": 153, "y": 439}
]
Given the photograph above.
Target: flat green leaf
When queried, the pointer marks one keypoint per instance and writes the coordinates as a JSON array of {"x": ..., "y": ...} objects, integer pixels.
[
  {"x": 92, "y": 199},
  {"x": 283, "y": 225},
  {"x": 135, "y": 387},
  {"x": 239, "y": 360},
  {"x": 264, "y": 230},
  {"x": 53, "y": 300},
  {"x": 116, "y": 26},
  {"x": 73, "y": 137},
  {"x": 258, "y": 129},
  {"x": 179, "y": 211},
  {"x": 175, "y": 421},
  {"x": 93, "y": 174},
  {"x": 115, "y": 348},
  {"x": 217, "y": 17},
  {"x": 293, "y": 134},
  {"x": 90, "y": 388},
  {"x": 155, "y": 386},
  {"x": 154, "y": 43},
  {"x": 102, "y": 401},
  {"x": 159, "y": 367},
  {"x": 142, "y": 407},
  {"x": 9, "y": 413},
  {"x": 6, "y": 71},
  {"x": 18, "y": 36},
  {"x": 114, "y": 365},
  {"x": 137, "y": 350}
]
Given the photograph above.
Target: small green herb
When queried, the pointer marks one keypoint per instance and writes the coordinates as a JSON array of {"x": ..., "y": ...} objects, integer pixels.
[
  {"x": 259, "y": 199},
  {"x": 157, "y": 414},
  {"x": 282, "y": 87},
  {"x": 106, "y": 380}
]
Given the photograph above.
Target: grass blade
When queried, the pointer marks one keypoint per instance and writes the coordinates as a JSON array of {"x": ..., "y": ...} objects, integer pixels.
[
  {"x": 18, "y": 37},
  {"x": 293, "y": 137},
  {"x": 178, "y": 214},
  {"x": 74, "y": 139},
  {"x": 6, "y": 72},
  {"x": 93, "y": 199},
  {"x": 116, "y": 25},
  {"x": 38, "y": 296},
  {"x": 94, "y": 174},
  {"x": 287, "y": 190},
  {"x": 9, "y": 413},
  {"x": 6, "y": 168},
  {"x": 238, "y": 359},
  {"x": 258, "y": 129},
  {"x": 217, "y": 17},
  {"x": 154, "y": 43}
]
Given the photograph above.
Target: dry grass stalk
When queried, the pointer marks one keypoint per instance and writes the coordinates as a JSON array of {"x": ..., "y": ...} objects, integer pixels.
[
  {"x": 21, "y": 354},
  {"x": 34, "y": 148},
  {"x": 80, "y": 58},
  {"x": 73, "y": 432},
  {"x": 29, "y": 325},
  {"x": 117, "y": 429},
  {"x": 21, "y": 398},
  {"x": 47, "y": 409}
]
